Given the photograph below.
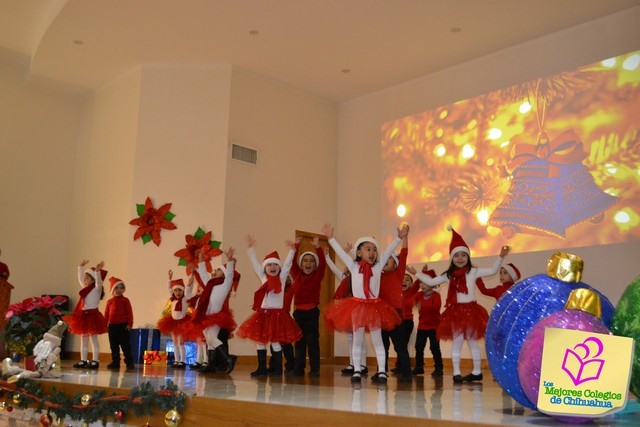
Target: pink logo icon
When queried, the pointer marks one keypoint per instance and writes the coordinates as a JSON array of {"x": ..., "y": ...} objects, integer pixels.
[{"x": 581, "y": 364}]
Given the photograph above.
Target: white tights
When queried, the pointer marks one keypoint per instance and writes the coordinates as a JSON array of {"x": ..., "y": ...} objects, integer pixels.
[
  {"x": 456, "y": 350},
  {"x": 84, "y": 347},
  {"x": 378, "y": 345}
]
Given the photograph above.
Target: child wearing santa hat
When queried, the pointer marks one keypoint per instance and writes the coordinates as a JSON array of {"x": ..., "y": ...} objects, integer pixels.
[
  {"x": 86, "y": 320},
  {"x": 344, "y": 291},
  {"x": 364, "y": 310},
  {"x": 119, "y": 317},
  {"x": 270, "y": 322},
  {"x": 213, "y": 313},
  {"x": 176, "y": 322},
  {"x": 509, "y": 275},
  {"x": 307, "y": 275},
  {"x": 463, "y": 318}
]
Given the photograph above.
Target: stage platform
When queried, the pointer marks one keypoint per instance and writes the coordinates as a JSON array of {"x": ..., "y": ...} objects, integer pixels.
[{"x": 328, "y": 400}]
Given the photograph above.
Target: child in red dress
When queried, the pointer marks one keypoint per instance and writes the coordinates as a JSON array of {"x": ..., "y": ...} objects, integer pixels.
[
  {"x": 463, "y": 318},
  {"x": 213, "y": 314},
  {"x": 364, "y": 310},
  {"x": 176, "y": 322},
  {"x": 270, "y": 322},
  {"x": 86, "y": 320},
  {"x": 509, "y": 275}
]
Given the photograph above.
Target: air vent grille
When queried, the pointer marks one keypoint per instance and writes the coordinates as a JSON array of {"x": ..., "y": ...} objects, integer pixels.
[{"x": 244, "y": 154}]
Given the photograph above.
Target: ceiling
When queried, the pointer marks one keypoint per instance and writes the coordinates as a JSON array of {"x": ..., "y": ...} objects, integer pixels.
[{"x": 335, "y": 49}]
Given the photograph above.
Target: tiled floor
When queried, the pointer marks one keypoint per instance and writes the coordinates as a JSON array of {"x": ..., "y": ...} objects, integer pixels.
[{"x": 483, "y": 402}]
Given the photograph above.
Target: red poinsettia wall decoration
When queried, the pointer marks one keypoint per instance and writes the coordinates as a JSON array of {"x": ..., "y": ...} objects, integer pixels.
[
  {"x": 197, "y": 242},
  {"x": 151, "y": 221}
]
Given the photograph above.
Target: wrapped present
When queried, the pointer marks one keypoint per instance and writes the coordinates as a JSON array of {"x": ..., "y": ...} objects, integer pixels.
[
  {"x": 155, "y": 357},
  {"x": 143, "y": 339}
]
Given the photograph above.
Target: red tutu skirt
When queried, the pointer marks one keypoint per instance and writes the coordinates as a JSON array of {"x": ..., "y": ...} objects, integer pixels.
[
  {"x": 86, "y": 322},
  {"x": 169, "y": 326},
  {"x": 223, "y": 319},
  {"x": 349, "y": 314},
  {"x": 270, "y": 325},
  {"x": 469, "y": 319}
]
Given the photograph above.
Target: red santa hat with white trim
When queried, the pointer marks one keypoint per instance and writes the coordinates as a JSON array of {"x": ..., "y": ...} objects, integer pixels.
[
  {"x": 177, "y": 284},
  {"x": 513, "y": 271},
  {"x": 113, "y": 282},
  {"x": 313, "y": 254},
  {"x": 272, "y": 258},
  {"x": 457, "y": 244}
]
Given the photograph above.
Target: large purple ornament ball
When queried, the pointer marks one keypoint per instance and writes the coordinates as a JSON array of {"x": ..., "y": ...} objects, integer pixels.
[
  {"x": 626, "y": 323},
  {"x": 513, "y": 317},
  {"x": 530, "y": 358}
]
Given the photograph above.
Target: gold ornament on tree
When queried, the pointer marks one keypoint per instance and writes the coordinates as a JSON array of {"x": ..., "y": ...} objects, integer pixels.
[
  {"x": 172, "y": 418},
  {"x": 85, "y": 399},
  {"x": 17, "y": 398}
]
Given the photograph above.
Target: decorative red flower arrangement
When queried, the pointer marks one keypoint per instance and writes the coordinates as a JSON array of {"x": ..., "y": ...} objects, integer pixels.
[
  {"x": 151, "y": 221},
  {"x": 199, "y": 241}
]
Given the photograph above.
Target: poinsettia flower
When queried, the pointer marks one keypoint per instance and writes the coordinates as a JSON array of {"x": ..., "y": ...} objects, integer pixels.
[
  {"x": 196, "y": 243},
  {"x": 151, "y": 221}
]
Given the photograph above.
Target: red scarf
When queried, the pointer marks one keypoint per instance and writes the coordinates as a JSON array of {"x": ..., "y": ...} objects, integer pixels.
[
  {"x": 367, "y": 273},
  {"x": 178, "y": 304},
  {"x": 83, "y": 293},
  {"x": 273, "y": 283},
  {"x": 457, "y": 283},
  {"x": 205, "y": 296}
]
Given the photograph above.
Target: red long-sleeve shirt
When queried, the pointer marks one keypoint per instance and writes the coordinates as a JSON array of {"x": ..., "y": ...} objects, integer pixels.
[
  {"x": 409, "y": 300},
  {"x": 306, "y": 287},
  {"x": 118, "y": 310},
  {"x": 391, "y": 282},
  {"x": 429, "y": 310}
]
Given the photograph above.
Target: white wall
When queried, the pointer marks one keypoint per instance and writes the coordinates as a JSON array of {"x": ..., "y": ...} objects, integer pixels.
[
  {"x": 38, "y": 137},
  {"x": 359, "y": 159},
  {"x": 292, "y": 187}
]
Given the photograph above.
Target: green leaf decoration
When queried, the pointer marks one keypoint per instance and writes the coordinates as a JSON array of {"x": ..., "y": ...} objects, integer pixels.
[
  {"x": 199, "y": 233},
  {"x": 146, "y": 238},
  {"x": 215, "y": 244},
  {"x": 182, "y": 262},
  {"x": 140, "y": 209},
  {"x": 169, "y": 216}
]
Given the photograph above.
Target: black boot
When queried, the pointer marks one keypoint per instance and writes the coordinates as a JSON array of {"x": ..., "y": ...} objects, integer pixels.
[
  {"x": 229, "y": 359},
  {"x": 210, "y": 367},
  {"x": 289, "y": 359},
  {"x": 262, "y": 364},
  {"x": 276, "y": 357}
]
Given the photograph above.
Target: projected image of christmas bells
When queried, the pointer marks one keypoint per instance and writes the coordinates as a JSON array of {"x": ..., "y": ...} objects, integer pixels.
[{"x": 551, "y": 190}]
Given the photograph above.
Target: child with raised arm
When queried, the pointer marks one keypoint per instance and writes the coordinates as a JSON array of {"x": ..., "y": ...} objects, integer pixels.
[
  {"x": 176, "y": 322},
  {"x": 509, "y": 275},
  {"x": 212, "y": 314},
  {"x": 365, "y": 310},
  {"x": 344, "y": 291},
  {"x": 307, "y": 277},
  {"x": 429, "y": 304},
  {"x": 463, "y": 318},
  {"x": 86, "y": 320},
  {"x": 270, "y": 322},
  {"x": 119, "y": 317}
]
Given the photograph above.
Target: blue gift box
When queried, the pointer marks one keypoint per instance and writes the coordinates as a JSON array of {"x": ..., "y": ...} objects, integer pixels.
[{"x": 143, "y": 340}]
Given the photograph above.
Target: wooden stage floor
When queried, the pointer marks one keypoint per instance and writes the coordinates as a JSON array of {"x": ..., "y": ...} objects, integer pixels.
[{"x": 330, "y": 399}]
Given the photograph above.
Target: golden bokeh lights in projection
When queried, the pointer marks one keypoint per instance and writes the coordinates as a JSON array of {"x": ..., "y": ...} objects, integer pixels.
[{"x": 550, "y": 163}]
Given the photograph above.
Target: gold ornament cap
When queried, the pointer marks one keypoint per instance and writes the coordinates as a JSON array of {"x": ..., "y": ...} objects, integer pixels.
[
  {"x": 585, "y": 300},
  {"x": 565, "y": 267}
]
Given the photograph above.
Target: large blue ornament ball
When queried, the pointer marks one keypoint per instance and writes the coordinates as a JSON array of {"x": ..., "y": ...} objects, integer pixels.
[
  {"x": 513, "y": 317},
  {"x": 626, "y": 323}
]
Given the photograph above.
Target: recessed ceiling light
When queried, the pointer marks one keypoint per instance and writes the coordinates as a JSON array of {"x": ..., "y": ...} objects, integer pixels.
[
  {"x": 346, "y": 71},
  {"x": 254, "y": 32},
  {"x": 456, "y": 29},
  {"x": 78, "y": 42}
]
